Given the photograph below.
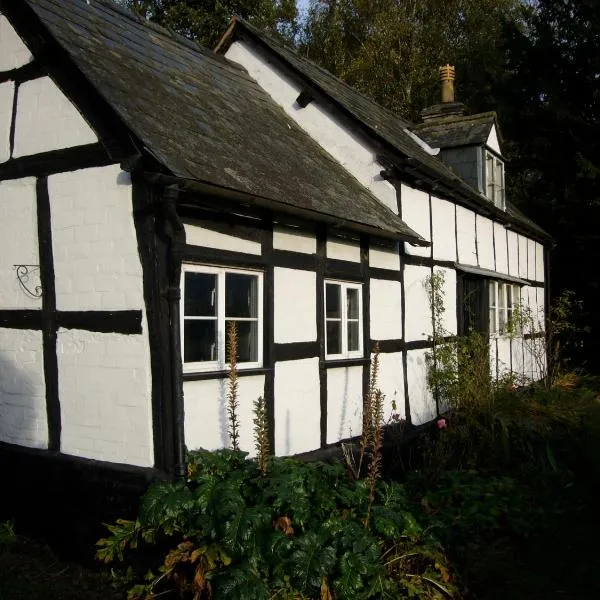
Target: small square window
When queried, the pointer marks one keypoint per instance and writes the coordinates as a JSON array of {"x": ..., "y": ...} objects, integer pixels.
[
  {"x": 343, "y": 320},
  {"x": 504, "y": 298}
]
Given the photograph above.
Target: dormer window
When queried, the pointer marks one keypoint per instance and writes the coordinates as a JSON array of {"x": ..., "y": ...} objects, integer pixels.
[{"x": 494, "y": 179}]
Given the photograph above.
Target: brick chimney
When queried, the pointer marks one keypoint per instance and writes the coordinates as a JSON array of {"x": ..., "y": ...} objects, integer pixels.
[{"x": 448, "y": 108}]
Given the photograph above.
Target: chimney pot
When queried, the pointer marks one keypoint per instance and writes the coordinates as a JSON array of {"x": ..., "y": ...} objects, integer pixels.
[{"x": 447, "y": 73}]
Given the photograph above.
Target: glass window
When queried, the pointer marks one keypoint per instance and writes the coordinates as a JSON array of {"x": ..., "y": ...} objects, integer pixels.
[
  {"x": 343, "y": 320},
  {"x": 503, "y": 300},
  {"x": 494, "y": 179},
  {"x": 211, "y": 299}
]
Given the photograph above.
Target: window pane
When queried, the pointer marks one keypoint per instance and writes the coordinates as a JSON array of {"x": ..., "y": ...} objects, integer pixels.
[
  {"x": 200, "y": 340},
  {"x": 334, "y": 337},
  {"x": 502, "y": 320},
  {"x": 492, "y": 291},
  {"x": 241, "y": 295},
  {"x": 516, "y": 295},
  {"x": 247, "y": 341},
  {"x": 502, "y": 295},
  {"x": 492, "y": 320},
  {"x": 353, "y": 336},
  {"x": 352, "y": 303},
  {"x": 489, "y": 168},
  {"x": 498, "y": 173},
  {"x": 200, "y": 295},
  {"x": 332, "y": 301}
]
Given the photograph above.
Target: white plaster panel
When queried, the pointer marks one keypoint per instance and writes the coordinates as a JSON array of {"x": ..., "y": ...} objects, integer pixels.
[
  {"x": 492, "y": 141},
  {"x": 13, "y": 52},
  {"x": 422, "y": 403},
  {"x": 522, "y": 256},
  {"x": 517, "y": 358},
  {"x": 340, "y": 142},
  {"x": 444, "y": 228},
  {"x": 501, "y": 248},
  {"x": 465, "y": 229},
  {"x": 503, "y": 356},
  {"x": 513, "y": 253},
  {"x": 531, "y": 259},
  {"x": 206, "y": 423},
  {"x": 416, "y": 304},
  {"x": 22, "y": 389},
  {"x": 297, "y": 406},
  {"x": 344, "y": 403},
  {"x": 295, "y": 306},
  {"x": 485, "y": 242},
  {"x": 391, "y": 383},
  {"x": 541, "y": 309},
  {"x": 7, "y": 92},
  {"x": 104, "y": 381},
  {"x": 493, "y": 357},
  {"x": 294, "y": 240},
  {"x": 46, "y": 120},
  {"x": 96, "y": 260},
  {"x": 18, "y": 242},
  {"x": 200, "y": 236},
  {"x": 343, "y": 250},
  {"x": 449, "y": 322},
  {"x": 415, "y": 213},
  {"x": 381, "y": 258},
  {"x": 539, "y": 262},
  {"x": 386, "y": 309}
]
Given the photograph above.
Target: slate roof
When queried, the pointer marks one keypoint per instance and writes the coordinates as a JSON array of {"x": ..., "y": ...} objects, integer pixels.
[
  {"x": 383, "y": 124},
  {"x": 203, "y": 118},
  {"x": 457, "y": 131}
]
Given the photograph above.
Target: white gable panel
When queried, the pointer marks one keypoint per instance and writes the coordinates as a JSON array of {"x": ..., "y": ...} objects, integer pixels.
[
  {"x": 391, "y": 383},
  {"x": 448, "y": 318},
  {"x": 415, "y": 213},
  {"x": 18, "y": 243},
  {"x": 531, "y": 259},
  {"x": 513, "y": 253},
  {"x": 344, "y": 403},
  {"x": 465, "y": 229},
  {"x": 485, "y": 243},
  {"x": 386, "y": 309},
  {"x": 380, "y": 258},
  {"x": 22, "y": 389},
  {"x": 200, "y": 236},
  {"x": 522, "y": 256},
  {"x": 295, "y": 307},
  {"x": 7, "y": 92},
  {"x": 293, "y": 240},
  {"x": 340, "y": 250},
  {"x": 298, "y": 406},
  {"x": 206, "y": 403},
  {"x": 96, "y": 259},
  {"x": 348, "y": 149},
  {"x": 539, "y": 262},
  {"x": 418, "y": 314},
  {"x": 492, "y": 141},
  {"x": 13, "y": 52},
  {"x": 46, "y": 120},
  {"x": 422, "y": 403},
  {"x": 500, "y": 248},
  {"x": 104, "y": 381},
  {"x": 444, "y": 229}
]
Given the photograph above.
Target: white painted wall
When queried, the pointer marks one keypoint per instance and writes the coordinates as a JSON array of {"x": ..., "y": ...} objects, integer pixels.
[
  {"x": 297, "y": 406},
  {"x": 104, "y": 384},
  {"x": 522, "y": 256},
  {"x": 415, "y": 213},
  {"x": 18, "y": 242},
  {"x": 294, "y": 240},
  {"x": 503, "y": 356},
  {"x": 539, "y": 262},
  {"x": 531, "y": 247},
  {"x": 96, "y": 260},
  {"x": 418, "y": 314},
  {"x": 382, "y": 258},
  {"x": 200, "y": 236},
  {"x": 391, "y": 383},
  {"x": 513, "y": 253},
  {"x": 449, "y": 320},
  {"x": 7, "y": 92},
  {"x": 295, "y": 293},
  {"x": 501, "y": 248},
  {"x": 465, "y": 229},
  {"x": 47, "y": 120},
  {"x": 485, "y": 242},
  {"x": 205, "y": 406},
  {"x": 344, "y": 403},
  {"x": 492, "y": 141},
  {"x": 517, "y": 358},
  {"x": 340, "y": 250},
  {"x": 22, "y": 389},
  {"x": 13, "y": 52},
  {"x": 422, "y": 404},
  {"x": 444, "y": 239},
  {"x": 347, "y": 148},
  {"x": 386, "y": 309}
]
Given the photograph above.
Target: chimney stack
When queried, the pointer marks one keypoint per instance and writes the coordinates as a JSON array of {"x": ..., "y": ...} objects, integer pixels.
[{"x": 447, "y": 73}]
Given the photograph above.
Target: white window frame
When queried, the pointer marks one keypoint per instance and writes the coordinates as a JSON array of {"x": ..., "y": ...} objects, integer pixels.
[
  {"x": 496, "y": 186},
  {"x": 344, "y": 285},
  {"x": 508, "y": 309},
  {"x": 221, "y": 363}
]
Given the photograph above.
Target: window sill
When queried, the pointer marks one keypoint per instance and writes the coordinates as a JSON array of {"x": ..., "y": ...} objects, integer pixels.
[{"x": 223, "y": 374}]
